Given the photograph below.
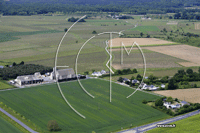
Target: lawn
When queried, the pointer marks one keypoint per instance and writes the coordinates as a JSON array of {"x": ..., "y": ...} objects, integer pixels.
[
  {"x": 187, "y": 125},
  {"x": 43, "y": 103},
  {"x": 6, "y": 127},
  {"x": 4, "y": 85}
]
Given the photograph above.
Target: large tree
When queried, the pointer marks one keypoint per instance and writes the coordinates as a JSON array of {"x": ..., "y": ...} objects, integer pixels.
[
  {"x": 172, "y": 84},
  {"x": 159, "y": 102},
  {"x": 53, "y": 126}
]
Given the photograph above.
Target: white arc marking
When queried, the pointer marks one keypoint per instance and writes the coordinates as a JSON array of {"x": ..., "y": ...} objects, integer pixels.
[
  {"x": 144, "y": 69},
  {"x": 76, "y": 67},
  {"x": 56, "y": 66},
  {"x": 106, "y": 64}
]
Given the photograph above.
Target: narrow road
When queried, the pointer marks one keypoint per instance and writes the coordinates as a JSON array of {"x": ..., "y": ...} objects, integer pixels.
[
  {"x": 18, "y": 121},
  {"x": 154, "y": 125}
]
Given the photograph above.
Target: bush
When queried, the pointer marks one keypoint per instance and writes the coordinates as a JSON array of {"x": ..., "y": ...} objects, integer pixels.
[
  {"x": 65, "y": 30},
  {"x": 94, "y": 32},
  {"x": 170, "y": 99},
  {"x": 159, "y": 102},
  {"x": 53, "y": 126},
  {"x": 135, "y": 70},
  {"x": 120, "y": 79},
  {"x": 144, "y": 101}
]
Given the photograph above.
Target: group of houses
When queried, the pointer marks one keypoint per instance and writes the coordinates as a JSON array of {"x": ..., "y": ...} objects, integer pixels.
[
  {"x": 145, "y": 18},
  {"x": 143, "y": 86},
  {"x": 176, "y": 105},
  {"x": 37, "y": 78},
  {"x": 99, "y": 73}
]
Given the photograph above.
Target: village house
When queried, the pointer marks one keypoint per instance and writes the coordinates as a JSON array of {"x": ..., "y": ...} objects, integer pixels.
[
  {"x": 135, "y": 81},
  {"x": 99, "y": 73},
  {"x": 63, "y": 74},
  {"x": 174, "y": 106},
  {"x": 184, "y": 103},
  {"x": 125, "y": 80},
  {"x": 149, "y": 87}
]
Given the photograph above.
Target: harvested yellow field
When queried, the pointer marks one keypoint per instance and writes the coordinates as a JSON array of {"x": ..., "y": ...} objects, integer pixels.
[
  {"x": 197, "y": 26},
  {"x": 185, "y": 52},
  {"x": 189, "y": 95},
  {"x": 141, "y": 41}
]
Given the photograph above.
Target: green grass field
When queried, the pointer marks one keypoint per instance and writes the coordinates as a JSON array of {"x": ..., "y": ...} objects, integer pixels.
[
  {"x": 187, "y": 125},
  {"x": 6, "y": 127},
  {"x": 4, "y": 85},
  {"x": 144, "y": 29},
  {"x": 43, "y": 103}
]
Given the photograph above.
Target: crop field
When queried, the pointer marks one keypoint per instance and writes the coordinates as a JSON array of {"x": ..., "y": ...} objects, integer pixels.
[
  {"x": 135, "y": 60},
  {"x": 7, "y": 127},
  {"x": 190, "y": 95},
  {"x": 144, "y": 29},
  {"x": 187, "y": 125},
  {"x": 34, "y": 39},
  {"x": 43, "y": 103},
  {"x": 117, "y": 42},
  {"x": 189, "y": 53}
]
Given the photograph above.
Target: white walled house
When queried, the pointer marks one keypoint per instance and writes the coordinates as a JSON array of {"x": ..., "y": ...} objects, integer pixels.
[
  {"x": 96, "y": 74},
  {"x": 149, "y": 87}
]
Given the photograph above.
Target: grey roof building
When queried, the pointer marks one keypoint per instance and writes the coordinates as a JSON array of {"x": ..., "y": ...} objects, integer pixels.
[
  {"x": 63, "y": 74},
  {"x": 29, "y": 79}
]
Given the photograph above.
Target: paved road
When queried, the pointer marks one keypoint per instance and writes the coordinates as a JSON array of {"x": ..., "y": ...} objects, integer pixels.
[
  {"x": 18, "y": 121},
  {"x": 154, "y": 125}
]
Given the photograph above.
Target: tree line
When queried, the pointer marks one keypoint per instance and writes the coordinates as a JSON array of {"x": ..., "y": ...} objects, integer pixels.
[
  {"x": 141, "y": 7},
  {"x": 22, "y": 69}
]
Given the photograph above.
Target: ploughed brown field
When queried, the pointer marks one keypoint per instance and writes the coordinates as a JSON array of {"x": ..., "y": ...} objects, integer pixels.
[
  {"x": 189, "y": 95},
  {"x": 141, "y": 41}
]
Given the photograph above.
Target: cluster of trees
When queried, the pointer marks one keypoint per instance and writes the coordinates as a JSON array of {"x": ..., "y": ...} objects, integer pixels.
[
  {"x": 22, "y": 69},
  {"x": 140, "y": 35},
  {"x": 126, "y": 17},
  {"x": 181, "y": 36},
  {"x": 182, "y": 110},
  {"x": 180, "y": 79},
  {"x": 72, "y": 19},
  {"x": 142, "y": 7},
  {"x": 186, "y": 15},
  {"x": 126, "y": 71}
]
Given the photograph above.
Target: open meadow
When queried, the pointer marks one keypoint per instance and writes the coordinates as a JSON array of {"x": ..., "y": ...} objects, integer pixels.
[
  {"x": 187, "y": 125},
  {"x": 43, "y": 103}
]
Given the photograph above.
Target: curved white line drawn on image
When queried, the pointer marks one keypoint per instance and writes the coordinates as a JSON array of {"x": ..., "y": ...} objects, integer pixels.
[
  {"x": 56, "y": 66},
  {"x": 144, "y": 69},
  {"x": 107, "y": 62}
]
